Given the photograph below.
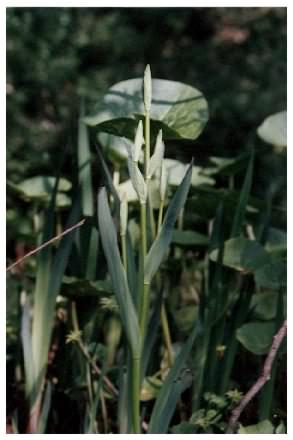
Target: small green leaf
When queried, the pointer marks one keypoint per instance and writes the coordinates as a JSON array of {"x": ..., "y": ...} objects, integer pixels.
[
  {"x": 180, "y": 110},
  {"x": 256, "y": 337},
  {"x": 41, "y": 187},
  {"x": 273, "y": 130}
]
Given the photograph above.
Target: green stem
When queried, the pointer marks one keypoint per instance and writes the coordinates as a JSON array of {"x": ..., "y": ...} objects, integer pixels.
[
  {"x": 160, "y": 216},
  {"x": 143, "y": 231},
  {"x": 164, "y": 316},
  {"x": 166, "y": 334},
  {"x": 124, "y": 252},
  {"x": 144, "y": 310},
  {"x": 147, "y": 151},
  {"x": 135, "y": 395}
]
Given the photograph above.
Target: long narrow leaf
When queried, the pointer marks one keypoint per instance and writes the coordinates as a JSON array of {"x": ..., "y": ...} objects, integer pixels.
[
  {"x": 161, "y": 244},
  {"x": 45, "y": 409},
  {"x": 243, "y": 200},
  {"x": 84, "y": 167},
  {"x": 44, "y": 319},
  {"x": 156, "y": 425},
  {"x": 117, "y": 273}
]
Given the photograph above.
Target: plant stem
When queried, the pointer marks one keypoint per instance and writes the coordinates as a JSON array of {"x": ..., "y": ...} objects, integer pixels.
[
  {"x": 143, "y": 230},
  {"x": 124, "y": 252},
  {"x": 135, "y": 394},
  {"x": 166, "y": 334},
  {"x": 147, "y": 151},
  {"x": 144, "y": 310},
  {"x": 160, "y": 216}
]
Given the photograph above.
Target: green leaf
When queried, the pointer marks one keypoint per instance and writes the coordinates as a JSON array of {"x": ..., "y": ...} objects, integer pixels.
[
  {"x": 184, "y": 428},
  {"x": 229, "y": 166},
  {"x": 272, "y": 275},
  {"x": 242, "y": 254},
  {"x": 189, "y": 238},
  {"x": 49, "y": 281},
  {"x": 239, "y": 215},
  {"x": 180, "y": 110},
  {"x": 276, "y": 240},
  {"x": 41, "y": 187},
  {"x": 256, "y": 337},
  {"x": 172, "y": 387},
  {"x": 264, "y": 305},
  {"x": 264, "y": 427},
  {"x": 117, "y": 273},
  {"x": 84, "y": 167},
  {"x": 176, "y": 171},
  {"x": 273, "y": 130},
  {"x": 205, "y": 201},
  {"x": 161, "y": 244},
  {"x": 115, "y": 147},
  {"x": 74, "y": 287}
]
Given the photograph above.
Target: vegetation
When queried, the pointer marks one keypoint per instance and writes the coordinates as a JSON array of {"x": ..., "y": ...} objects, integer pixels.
[{"x": 154, "y": 284}]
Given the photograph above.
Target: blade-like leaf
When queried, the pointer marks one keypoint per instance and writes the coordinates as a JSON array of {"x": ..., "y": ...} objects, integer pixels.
[
  {"x": 44, "y": 314},
  {"x": 161, "y": 244},
  {"x": 157, "y": 423},
  {"x": 178, "y": 107},
  {"x": 117, "y": 273},
  {"x": 84, "y": 167},
  {"x": 243, "y": 200},
  {"x": 45, "y": 409}
]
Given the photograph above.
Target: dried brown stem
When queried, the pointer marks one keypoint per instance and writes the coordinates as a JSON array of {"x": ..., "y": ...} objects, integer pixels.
[
  {"x": 47, "y": 243},
  {"x": 261, "y": 381}
]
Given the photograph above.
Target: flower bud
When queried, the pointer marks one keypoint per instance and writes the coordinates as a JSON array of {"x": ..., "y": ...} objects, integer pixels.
[
  {"x": 147, "y": 89},
  {"x": 138, "y": 142},
  {"x": 157, "y": 158},
  {"x": 137, "y": 181}
]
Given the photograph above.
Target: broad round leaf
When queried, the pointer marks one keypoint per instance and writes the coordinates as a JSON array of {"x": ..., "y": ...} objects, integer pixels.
[
  {"x": 273, "y": 130},
  {"x": 180, "y": 110}
]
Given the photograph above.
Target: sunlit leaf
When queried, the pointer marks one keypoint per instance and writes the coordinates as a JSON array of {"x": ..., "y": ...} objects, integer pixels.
[{"x": 180, "y": 110}]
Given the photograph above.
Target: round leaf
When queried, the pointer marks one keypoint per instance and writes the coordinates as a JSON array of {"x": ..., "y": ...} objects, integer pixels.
[
  {"x": 273, "y": 130},
  {"x": 256, "y": 337},
  {"x": 181, "y": 111}
]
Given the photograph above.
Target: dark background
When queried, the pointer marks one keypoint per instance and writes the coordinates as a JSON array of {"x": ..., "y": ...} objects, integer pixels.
[{"x": 235, "y": 56}]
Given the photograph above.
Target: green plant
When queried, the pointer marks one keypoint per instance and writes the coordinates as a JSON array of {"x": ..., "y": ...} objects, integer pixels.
[{"x": 190, "y": 271}]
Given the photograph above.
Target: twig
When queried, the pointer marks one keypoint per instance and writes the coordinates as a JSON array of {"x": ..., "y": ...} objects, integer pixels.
[
  {"x": 47, "y": 243},
  {"x": 265, "y": 376}
]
